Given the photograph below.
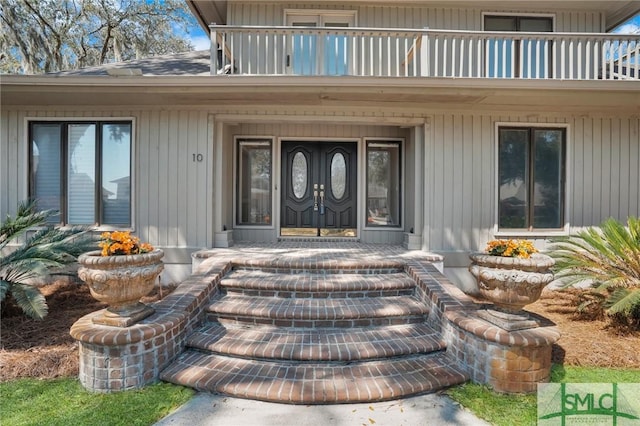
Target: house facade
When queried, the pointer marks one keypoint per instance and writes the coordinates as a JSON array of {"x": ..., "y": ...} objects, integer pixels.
[{"x": 434, "y": 125}]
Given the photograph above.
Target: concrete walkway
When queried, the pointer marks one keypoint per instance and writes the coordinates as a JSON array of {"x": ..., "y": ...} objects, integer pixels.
[{"x": 213, "y": 409}]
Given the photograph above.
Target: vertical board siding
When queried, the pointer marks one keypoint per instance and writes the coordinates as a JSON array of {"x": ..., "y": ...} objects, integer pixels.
[
  {"x": 603, "y": 161},
  {"x": 319, "y": 131},
  {"x": 406, "y": 16},
  {"x": 172, "y": 195}
]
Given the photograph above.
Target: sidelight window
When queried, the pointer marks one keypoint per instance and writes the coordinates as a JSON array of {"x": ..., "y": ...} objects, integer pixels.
[
  {"x": 383, "y": 184},
  {"x": 254, "y": 200}
]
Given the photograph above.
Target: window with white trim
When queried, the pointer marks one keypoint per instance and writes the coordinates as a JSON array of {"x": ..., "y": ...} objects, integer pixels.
[
  {"x": 531, "y": 170},
  {"x": 83, "y": 170}
]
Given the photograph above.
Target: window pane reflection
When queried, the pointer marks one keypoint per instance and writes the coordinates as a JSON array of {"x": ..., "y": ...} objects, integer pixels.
[
  {"x": 514, "y": 164},
  {"x": 254, "y": 183},
  {"x": 548, "y": 204},
  {"x": 81, "y": 175},
  {"x": 116, "y": 173},
  {"x": 45, "y": 167},
  {"x": 383, "y": 184},
  {"x": 531, "y": 173}
]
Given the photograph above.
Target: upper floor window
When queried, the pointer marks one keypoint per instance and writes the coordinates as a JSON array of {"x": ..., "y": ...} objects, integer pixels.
[
  {"x": 313, "y": 54},
  {"x": 83, "y": 170},
  {"x": 531, "y": 178},
  {"x": 518, "y": 57}
]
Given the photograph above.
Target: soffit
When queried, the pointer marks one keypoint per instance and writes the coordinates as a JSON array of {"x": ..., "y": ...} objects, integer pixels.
[
  {"x": 208, "y": 12},
  {"x": 616, "y": 11}
]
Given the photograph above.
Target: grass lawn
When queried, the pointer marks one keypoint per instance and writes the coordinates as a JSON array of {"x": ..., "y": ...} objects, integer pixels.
[
  {"x": 65, "y": 402},
  {"x": 511, "y": 410}
]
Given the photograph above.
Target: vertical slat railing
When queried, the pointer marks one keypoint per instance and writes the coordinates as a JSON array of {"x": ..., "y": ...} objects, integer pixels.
[{"x": 422, "y": 52}]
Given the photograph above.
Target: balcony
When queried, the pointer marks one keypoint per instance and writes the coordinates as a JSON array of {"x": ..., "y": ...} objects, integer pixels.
[{"x": 309, "y": 51}]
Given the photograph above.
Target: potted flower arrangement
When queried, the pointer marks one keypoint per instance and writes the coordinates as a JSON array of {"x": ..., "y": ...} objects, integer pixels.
[
  {"x": 511, "y": 274},
  {"x": 119, "y": 274}
]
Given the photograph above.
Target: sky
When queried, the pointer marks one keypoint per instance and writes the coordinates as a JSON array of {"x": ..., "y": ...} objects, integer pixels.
[
  {"x": 200, "y": 40},
  {"x": 198, "y": 37},
  {"x": 632, "y": 26}
]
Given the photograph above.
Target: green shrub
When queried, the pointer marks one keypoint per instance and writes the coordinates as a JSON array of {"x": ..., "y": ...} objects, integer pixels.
[
  {"x": 48, "y": 247},
  {"x": 608, "y": 259}
]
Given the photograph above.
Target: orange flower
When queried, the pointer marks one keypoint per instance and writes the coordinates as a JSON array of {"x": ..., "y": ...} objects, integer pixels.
[
  {"x": 122, "y": 243},
  {"x": 511, "y": 248}
]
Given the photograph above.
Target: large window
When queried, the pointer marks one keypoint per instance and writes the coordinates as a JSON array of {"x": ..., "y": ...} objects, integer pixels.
[
  {"x": 383, "y": 184},
  {"x": 524, "y": 57},
  {"x": 531, "y": 178},
  {"x": 254, "y": 200},
  {"x": 83, "y": 170}
]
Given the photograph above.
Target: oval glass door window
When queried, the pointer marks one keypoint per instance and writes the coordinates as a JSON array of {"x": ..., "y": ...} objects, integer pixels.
[
  {"x": 338, "y": 176},
  {"x": 299, "y": 175}
]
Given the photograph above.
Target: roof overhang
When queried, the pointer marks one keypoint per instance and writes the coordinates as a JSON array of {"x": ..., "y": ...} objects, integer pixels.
[
  {"x": 419, "y": 94},
  {"x": 208, "y": 12},
  {"x": 615, "y": 11}
]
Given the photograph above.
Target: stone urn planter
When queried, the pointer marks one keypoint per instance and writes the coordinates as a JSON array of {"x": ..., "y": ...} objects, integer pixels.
[
  {"x": 120, "y": 281},
  {"x": 510, "y": 283}
]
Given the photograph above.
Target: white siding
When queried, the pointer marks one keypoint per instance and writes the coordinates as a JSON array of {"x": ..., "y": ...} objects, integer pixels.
[
  {"x": 173, "y": 194},
  {"x": 384, "y": 16},
  {"x": 603, "y": 180}
]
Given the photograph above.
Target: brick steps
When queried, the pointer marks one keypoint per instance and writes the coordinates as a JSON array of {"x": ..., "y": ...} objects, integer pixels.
[
  {"x": 314, "y": 383},
  {"x": 346, "y": 312},
  {"x": 321, "y": 344},
  {"x": 316, "y": 333},
  {"x": 309, "y": 285}
]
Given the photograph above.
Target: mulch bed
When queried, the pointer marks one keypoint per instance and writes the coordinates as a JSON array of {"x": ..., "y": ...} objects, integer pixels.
[
  {"x": 44, "y": 349},
  {"x": 587, "y": 341}
]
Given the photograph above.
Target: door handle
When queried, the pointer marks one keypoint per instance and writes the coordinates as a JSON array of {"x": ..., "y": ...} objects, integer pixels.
[
  {"x": 315, "y": 197},
  {"x": 322, "y": 199}
]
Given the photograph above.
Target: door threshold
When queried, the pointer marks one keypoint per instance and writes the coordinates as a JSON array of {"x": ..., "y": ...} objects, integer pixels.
[{"x": 319, "y": 239}]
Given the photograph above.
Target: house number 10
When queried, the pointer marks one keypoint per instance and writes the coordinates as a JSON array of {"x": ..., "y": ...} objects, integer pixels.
[{"x": 197, "y": 157}]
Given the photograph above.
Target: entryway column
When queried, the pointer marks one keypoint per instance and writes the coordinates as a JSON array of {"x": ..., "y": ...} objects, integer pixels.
[
  {"x": 413, "y": 240},
  {"x": 426, "y": 183},
  {"x": 222, "y": 237}
]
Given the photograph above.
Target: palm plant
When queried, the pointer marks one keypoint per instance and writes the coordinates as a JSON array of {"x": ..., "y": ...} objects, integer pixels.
[
  {"x": 607, "y": 258},
  {"x": 47, "y": 248}
]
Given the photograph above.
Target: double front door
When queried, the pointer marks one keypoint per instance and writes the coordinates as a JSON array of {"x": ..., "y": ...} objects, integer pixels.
[{"x": 319, "y": 186}]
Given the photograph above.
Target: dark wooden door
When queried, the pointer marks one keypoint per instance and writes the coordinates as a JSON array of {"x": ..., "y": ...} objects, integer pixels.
[{"x": 319, "y": 185}]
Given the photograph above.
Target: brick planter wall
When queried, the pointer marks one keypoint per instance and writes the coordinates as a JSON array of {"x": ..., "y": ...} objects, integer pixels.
[
  {"x": 115, "y": 359},
  {"x": 510, "y": 362}
]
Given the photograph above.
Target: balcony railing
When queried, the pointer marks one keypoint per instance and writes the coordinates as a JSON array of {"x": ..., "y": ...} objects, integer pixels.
[{"x": 254, "y": 50}]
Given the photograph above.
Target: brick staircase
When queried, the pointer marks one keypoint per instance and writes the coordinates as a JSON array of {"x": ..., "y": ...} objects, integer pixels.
[{"x": 315, "y": 333}]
